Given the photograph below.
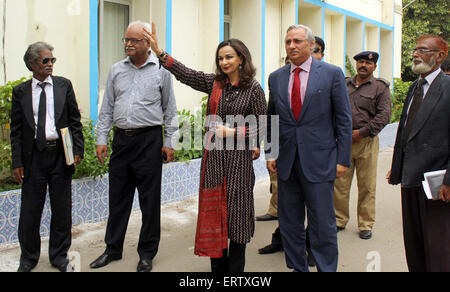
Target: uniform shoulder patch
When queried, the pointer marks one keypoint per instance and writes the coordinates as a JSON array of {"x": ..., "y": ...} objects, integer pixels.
[{"x": 384, "y": 81}]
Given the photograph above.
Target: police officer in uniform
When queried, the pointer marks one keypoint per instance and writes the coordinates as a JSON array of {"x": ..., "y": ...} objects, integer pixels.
[{"x": 370, "y": 101}]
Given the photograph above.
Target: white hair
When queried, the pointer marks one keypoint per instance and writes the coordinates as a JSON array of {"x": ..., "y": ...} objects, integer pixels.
[
  {"x": 147, "y": 25},
  {"x": 309, "y": 34}
]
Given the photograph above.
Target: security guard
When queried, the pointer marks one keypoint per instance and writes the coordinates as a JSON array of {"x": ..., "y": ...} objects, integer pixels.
[{"x": 370, "y": 101}]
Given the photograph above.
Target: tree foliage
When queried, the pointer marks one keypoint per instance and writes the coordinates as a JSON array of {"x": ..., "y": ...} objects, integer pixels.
[{"x": 422, "y": 17}]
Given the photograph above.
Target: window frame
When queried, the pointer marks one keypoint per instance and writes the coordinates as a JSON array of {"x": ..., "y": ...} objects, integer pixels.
[{"x": 128, "y": 3}]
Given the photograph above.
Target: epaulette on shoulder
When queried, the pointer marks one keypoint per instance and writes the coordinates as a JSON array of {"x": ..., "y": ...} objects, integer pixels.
[{"x": 384, "y": 81}]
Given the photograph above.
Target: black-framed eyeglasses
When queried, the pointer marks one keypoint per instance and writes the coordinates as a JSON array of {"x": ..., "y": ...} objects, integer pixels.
[
  {"x": 316, "y": 50},
  {"x": 423, "y": 51},
  {"x": 132, "y": 41},
  {"x": 46, "y": 60}
]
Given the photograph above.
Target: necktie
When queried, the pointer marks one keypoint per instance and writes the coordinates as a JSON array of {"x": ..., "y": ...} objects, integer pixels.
[
  {"x": 413, "y": 110},
  {"x": 40, "y": 133},
  {"x": 296, "y": 100}
]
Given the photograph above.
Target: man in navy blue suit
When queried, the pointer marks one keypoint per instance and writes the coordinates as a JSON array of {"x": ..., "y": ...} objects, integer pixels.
[{"x": 315, "y": 135}]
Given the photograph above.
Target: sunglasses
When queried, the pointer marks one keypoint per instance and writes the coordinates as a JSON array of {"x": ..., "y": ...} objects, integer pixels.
[{"x": 46, "y": 60}]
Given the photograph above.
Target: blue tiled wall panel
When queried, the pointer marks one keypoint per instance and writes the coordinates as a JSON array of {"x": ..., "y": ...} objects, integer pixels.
[{"x": 90, "y": 198}]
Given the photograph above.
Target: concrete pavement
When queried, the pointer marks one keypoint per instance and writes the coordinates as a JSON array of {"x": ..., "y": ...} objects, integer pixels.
[{"x": 384, "y": 252}]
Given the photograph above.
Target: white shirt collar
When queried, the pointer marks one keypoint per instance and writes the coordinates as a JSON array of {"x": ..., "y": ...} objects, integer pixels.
[
  {"x": 430, "y": 77},
  {"x": 35, "y": 82}
]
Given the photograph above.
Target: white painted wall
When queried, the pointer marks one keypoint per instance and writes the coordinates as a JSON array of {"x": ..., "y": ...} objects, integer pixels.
[
  {"x": 195, "y": 31},
  {"x": 372, "y": 9},
  {"x": 354, "y": 38},
  {"x": 274, "y": 37},
  {"x": 398, "y": 19},
  {"x": 59, "y": 23},
  {"x": 334, "y": 45},
  {"x": 188, "y": 46},
  {"x": 246, "y": 25},
  {"x": 311, "y": 17}
]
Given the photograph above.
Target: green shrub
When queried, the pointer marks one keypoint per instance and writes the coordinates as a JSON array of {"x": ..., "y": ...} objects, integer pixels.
[
  {"x": 196, "y": 122},
  {"x": 349, "y": 66},
  {"x": 5, "y": 157},
  {"x": 5, "y": 100},
  {"x": 400, "y": 90},
  {"x": 90, "y": 166}
]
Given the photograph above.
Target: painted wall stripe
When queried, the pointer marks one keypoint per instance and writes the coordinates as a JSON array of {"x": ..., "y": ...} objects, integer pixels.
[
  {"x": 169, "y": 12},
  {"x": 222, "y": 20},
  {"x": 93, "y": 56},
  {"x": 263, "y": 44},
  {"x": 348, "y": 13}
]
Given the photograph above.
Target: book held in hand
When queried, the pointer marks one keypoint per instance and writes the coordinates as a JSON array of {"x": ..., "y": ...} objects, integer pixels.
[
  {"x": 433, "y": 183},
  {"x": 67, "y": 144}
]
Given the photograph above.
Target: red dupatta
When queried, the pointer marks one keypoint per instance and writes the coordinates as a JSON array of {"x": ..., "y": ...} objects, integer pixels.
[{"x": 212, "y": 227}]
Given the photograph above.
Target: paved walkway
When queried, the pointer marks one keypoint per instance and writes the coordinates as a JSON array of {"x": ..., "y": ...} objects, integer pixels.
[{"x": 383, "y": 252}]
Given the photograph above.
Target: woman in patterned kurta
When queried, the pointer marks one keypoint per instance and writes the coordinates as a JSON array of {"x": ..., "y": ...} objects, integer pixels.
[{"x": 231, "y": 168}]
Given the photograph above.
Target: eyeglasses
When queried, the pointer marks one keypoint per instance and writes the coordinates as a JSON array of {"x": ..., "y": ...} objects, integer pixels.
[
  {"x": 46, "y": 60},
  {"x": 316, "y": 50},
  {"x": 423, "y": 51},
  {"x": 132, "y": 41}
]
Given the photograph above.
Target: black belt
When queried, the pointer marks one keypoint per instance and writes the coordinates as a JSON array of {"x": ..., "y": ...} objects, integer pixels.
[
  {"x": 134, "y": 132},
  {"x": 50, "y": 144}
]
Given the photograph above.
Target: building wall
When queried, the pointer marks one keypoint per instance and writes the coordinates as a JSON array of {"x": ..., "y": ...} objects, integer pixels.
[
  {"x": 191, "y": 30},
  {"x": 64, "y": 25}
]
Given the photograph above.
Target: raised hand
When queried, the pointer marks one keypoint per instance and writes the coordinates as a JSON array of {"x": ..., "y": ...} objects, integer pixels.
[{"x": 153, "y": 39}]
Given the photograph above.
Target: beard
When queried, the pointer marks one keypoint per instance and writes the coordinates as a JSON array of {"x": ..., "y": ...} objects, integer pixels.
[{"x": 423, "y": 67}]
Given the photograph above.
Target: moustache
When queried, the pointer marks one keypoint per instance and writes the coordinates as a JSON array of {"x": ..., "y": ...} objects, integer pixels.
[{"x": 362, "y": 69}]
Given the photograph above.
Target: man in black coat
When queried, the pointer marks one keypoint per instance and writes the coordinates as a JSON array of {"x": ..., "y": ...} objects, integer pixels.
[
  {"x": 41, "y": 107},
  {"x": 423, "y": 145}
]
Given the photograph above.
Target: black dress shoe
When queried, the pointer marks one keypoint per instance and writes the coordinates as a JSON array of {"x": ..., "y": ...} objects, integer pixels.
[
  {"x": 270, "y": 249},
  {"x": 144, "y": 266},
  {"x": 365, "y": 234},
  {"x": 104, "y": 260},
  {"x": 311, "y": 260},
  {"x": 65, "y": 268},
  {"x": 338, "y": 228},
  {"x": 266, "y": 217},
  {"x": 25, "y": 268}
]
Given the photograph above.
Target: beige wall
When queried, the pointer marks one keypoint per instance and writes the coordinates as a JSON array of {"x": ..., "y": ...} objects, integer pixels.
[
  {"x": 274, "y": 38},
  {"x": 372, "y": 9},
  {"x": 248, "y": 31},
  {"x": 58, "y": 23},
  {"x": 195, "y": 35},
  {"x": 194, "y": 42},
  {"x": 398, "y": 19},
  {"x": 334, "y": 41}
]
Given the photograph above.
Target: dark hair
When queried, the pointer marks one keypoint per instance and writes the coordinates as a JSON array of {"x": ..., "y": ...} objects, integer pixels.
[
  {"x": 446, "y": 65},
  {"x": 32, "y": 53},
  {"x": 248, "y": 71},
  {"x": 321, "y": 43}
]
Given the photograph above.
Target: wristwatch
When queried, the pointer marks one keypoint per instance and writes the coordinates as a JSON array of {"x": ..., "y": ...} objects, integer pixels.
[{"x": 163, "y": 54}]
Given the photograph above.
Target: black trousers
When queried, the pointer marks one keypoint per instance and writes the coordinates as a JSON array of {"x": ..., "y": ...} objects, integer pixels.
[
  {"x": 136, "y": 162},
  {"x": 426, "y": 232},
  {"x": 233, "y": 260},
  {"x": 47, "y": 169}
]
